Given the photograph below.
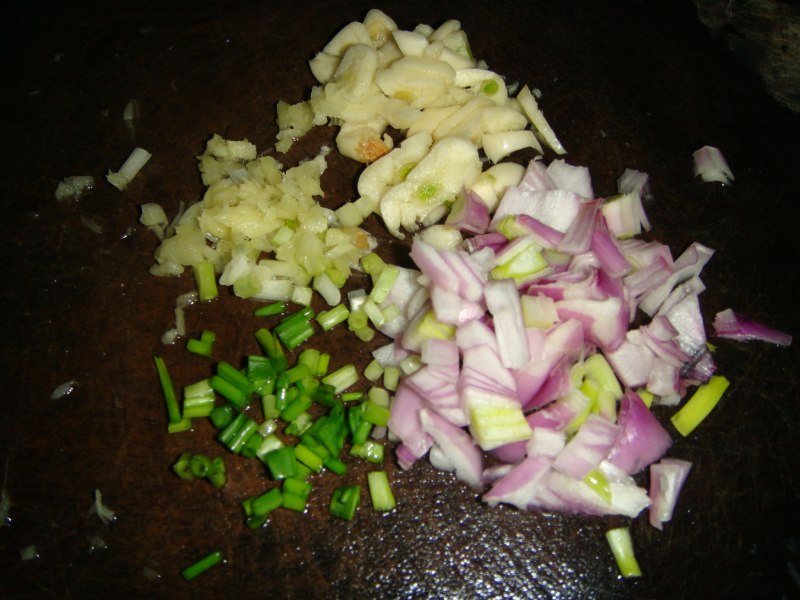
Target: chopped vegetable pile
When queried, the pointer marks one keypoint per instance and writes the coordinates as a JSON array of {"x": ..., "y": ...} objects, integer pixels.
[{"x": 524, "y": 350}]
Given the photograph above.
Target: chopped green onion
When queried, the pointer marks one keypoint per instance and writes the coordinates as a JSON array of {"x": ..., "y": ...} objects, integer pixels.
[
  {"x": 202, "y": 565},
  {"x": 391, "y": 378},
  {"x": 171, "y": 401},
  {"x": 383, "y": 284},
  {"x": 372, "y": 264},
  {"x": 275, "y": 308},
  {"x": 328, "y": 319},
  {"x": 216, "y": 475},
  {"x": 181, "y": 467},
  {"x": 345, "y": 500},
  {"x": 373, "y": 370},
  {"x": 376, "y": 414},
  {"x": 269, "y": 406},
  {"x": 230, "y": 392},
  {"x": 525, "y": 260},
  {"x": 309, "y": 358},
  {"x": 647, "y": 397},
  {"x": 293, "y": 375},
  {"x": 322, "y": 365},
  {"x": 351, "y": 396},
  {"x": 185, "y": 424},
  {"x": 267, "y": 427},
  {"x": 337, "y": 277},
  {"x": 199, "y": 347},
  {"x": 242, "y": 435},
  {"x": 199, "y": 465},
  {"x": 598, "y": 481},
  {"x": 391, "y": 312},
  {"x": 496, "y": 425},
  {"x": 302, "y": 316},
  {"x": 621, "y": 544},
  {"x": 699, "y": 405},
  {"x": 190, "y": 466},
  {"x": 334, "y": 464},
  {"x": 252, "y": 445},
  {"x": 206, "y": 280},
  {"x": 327, "y": 288},
  {"x": 374, "y": 313},
  {"x": 269, "y": 343},
  {"x": 293, "y": 485},
  {"x": 370, "y": 450},
  {"x": 311, "y": 442},
  {"x": 222, "y": 416},
  {"x": 281, "y": 462},
  {"x": 262, "y": 505},
  {"x": 365, "y": 334},
  {"x": 302, "y": 472},
  {"x": 598, "y": 369},
  {"x": 357, "y": 319},
  {"x": 380, "y": 492},
  {"x": 299, "y": 425},
  {"x": 294, "y": 502},
  {"x": 198, "y": 399},
  {"x": 293, "y": 336},
  {"x": 333, "y": 431},
  {"x": 379, "y": 396},
  {"x": 324, "y": 394},
  {"x": 359, "y": 427},
  {"x": 259, "y": 368},
  {"x": 228, "y": 433},
  {"x": 308, "y": 457},
  {"x": 234, "y": 376},
  {"x": 269, "y": 443},
  {"x": 410, "y": 364},
  {"x": 342, "y": 378},
  {"x": 296, "y": 407}
]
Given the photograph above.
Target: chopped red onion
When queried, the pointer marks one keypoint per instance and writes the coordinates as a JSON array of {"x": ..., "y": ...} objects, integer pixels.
[
  {"x": 595, "y": 275},
  {"x": 710, "y": 165},
  {"x": 458, "y": 446},
  {"x": 587, "y": 448},
  {"x": 469, "y": 213},
  {"x": 571, "y": 178},
  {"x": 666, "y": 481},
  {"x": 643, "y": 440},
  {"x": 732, "y": 325}
]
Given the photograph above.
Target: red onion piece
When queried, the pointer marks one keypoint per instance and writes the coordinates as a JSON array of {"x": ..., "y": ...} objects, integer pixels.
[
  {"x": 666, "y": 481},
  {"x": 710, "y": 165},
  {"x": 555, "y": 208},
  {"x": 458, "y": 446},
  {"x": 732, "y": 325},
  {"x": 565, "y": 494},
  {"x": 469, "y": 213},
  {"x": 502, "y": 301},
  {"x": 405, "y": 423},
  {"x": 604, "y": 321},
  {"x": 519, "y": 486},
  {"x": 642, "y": 441},
  {"x": 587, "y": 448},
  {"x": 609, "y": 255},
  {"x": 571, "y": 178},
  {"x": 578, "y": 236},
  {"x": 687, "y": 265}
]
